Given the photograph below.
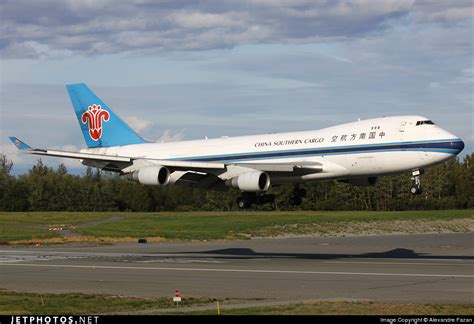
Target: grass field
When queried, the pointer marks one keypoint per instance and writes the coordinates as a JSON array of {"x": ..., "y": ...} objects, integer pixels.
[
  {"x": 107, "y": 227},
  {"x": 37, "y": 304},
  {"x": 31, "y": 303},
  {"x": 347, "y": 308},
  {"x": 25, "y": 226}
]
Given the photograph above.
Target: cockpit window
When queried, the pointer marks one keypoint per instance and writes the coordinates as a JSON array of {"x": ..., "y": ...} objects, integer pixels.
[{"x": 423, "y": 122}]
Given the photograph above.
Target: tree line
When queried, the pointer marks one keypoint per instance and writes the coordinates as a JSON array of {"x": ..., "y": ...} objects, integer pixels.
[{"x": 447, "y": 186}]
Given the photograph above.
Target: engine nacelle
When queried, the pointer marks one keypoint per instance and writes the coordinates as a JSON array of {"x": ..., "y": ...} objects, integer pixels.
[
  {"x": 253, "y": 181},
  {"x": 362, "y": 182},
  {"x": 153, "y": 175}
]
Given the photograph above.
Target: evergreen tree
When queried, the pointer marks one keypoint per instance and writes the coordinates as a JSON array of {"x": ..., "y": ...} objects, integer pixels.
[{"x": 448, "y": 185}]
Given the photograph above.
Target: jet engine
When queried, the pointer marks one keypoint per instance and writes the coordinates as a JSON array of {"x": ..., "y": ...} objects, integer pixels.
[
  {"x": 253, "y": 181},
  {"x": 154, "y": 175}
]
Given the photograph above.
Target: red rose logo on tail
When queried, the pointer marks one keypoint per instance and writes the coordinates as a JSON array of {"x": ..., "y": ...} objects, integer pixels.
[{"x": 93, "y": 116}]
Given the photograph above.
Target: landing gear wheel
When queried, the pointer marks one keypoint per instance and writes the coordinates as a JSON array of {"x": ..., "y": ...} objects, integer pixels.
[
  {"x": 294, "y": 201},
  {"x": 414, "y": 190},
  {"x": 243, "y": 203},
  {"x": 291, "y": 201},
  {"x": 240, "y": 202}
]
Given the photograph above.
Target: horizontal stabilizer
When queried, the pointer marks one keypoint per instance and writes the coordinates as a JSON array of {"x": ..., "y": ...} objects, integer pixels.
[{"x": 19, "y": 143}]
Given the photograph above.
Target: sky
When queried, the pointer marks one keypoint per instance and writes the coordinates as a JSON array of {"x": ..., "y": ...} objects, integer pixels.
[{"x": 178, "y": 70}]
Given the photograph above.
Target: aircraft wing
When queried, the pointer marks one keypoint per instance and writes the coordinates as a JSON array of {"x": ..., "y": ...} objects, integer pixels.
[
  {"x": 116, "y": 163},
  {"x": 190, "y": 173}
]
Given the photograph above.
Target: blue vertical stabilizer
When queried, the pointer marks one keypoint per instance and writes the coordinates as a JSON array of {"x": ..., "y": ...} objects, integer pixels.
[{"x": 100, "y": 126}]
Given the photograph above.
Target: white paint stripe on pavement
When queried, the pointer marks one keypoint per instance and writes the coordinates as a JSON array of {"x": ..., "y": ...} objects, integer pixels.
[{"x": 239, "y": 270}]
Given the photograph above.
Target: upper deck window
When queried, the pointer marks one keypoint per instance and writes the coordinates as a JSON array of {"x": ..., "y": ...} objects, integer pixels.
[{"x": 423, "y": 122}]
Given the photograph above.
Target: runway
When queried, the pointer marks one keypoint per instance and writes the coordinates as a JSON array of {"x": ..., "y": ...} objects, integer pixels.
[{"x": 426, "y": 268}]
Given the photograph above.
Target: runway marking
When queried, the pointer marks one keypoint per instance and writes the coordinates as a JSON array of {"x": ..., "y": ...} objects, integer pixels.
[{"x": 239, "y": 270}]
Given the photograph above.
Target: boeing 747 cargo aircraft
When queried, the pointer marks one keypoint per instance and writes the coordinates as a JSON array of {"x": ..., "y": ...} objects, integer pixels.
[{"x": 357, "y": 152}]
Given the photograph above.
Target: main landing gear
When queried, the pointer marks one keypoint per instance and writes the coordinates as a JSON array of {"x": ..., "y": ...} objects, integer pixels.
[
  {"x": 296, "y": 198},
  {"x": 416, "y": 189},
  {"x": 247, "y": 199}
]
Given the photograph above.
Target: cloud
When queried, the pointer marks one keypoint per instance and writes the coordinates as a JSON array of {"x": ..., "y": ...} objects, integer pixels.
[
  {"x": 63, "y": 28},
  {"x": 139, "y": 125},
  {"x": 294, "y": 65},
  {"x": 168, "y": 136},
  {"x": 215, "y": 110},
  {"x": 14, "y": 155},
  {"x": 466, "y": 76},
  {"x": 444, "y": 11}
]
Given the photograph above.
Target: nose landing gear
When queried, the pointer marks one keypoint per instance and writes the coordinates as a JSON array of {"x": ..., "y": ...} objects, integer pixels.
[{"x": 416, "y": 189}]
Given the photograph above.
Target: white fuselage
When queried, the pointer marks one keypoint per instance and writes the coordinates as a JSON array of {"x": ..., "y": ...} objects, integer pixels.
[{"x": 363, "y": 148}]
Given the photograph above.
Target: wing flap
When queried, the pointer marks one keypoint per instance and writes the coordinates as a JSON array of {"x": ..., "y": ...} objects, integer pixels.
[
  {"x": 189, "y": 164},
  {"x": 83, "y": 156}
]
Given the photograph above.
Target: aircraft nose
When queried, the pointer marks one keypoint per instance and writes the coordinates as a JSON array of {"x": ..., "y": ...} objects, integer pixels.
[{"x": 457, "y": 145}]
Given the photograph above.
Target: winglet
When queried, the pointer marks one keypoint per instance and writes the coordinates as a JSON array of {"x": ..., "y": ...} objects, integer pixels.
[{"x": 19, "y": 144}]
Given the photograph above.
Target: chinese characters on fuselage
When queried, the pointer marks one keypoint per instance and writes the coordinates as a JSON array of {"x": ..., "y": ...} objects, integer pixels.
[{"x": 335, "y": 138}]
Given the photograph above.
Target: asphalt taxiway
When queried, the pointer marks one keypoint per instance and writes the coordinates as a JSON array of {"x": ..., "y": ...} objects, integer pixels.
[{"x": 425, "y": 268}]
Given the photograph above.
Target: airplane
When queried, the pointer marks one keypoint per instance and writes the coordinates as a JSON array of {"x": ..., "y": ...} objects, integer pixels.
[{"x": 356, "y": 152}]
